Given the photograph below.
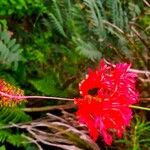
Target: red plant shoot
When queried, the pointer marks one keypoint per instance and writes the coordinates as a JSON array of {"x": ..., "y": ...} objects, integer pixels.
[{"x": 8, "y": 89}]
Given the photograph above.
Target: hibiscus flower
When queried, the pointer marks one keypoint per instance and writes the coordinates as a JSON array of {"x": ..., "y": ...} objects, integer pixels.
[{"x": 106, "y": 94}]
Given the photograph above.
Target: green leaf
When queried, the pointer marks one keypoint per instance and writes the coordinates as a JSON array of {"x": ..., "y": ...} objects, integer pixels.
[
  {"x": 11, "y": 43},
  {"x": 4, "y": 134},
  {"x": 57, "y": 25},
  {"x": 10, "y": 52},
  {"x": 13, "y": 115},
  {"x": 16, "y": 140},
  {"x": 3, "y": 147},
  {"x": 47, "y": 85},
  {"x": 88, "y": 50}
]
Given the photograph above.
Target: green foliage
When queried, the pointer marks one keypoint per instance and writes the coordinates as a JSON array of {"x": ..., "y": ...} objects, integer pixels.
[
  {"x": 2, "y": 148},
  {"x": 95, "y": 16},
  {"x": 67, "y": 16},
  {"x": 10, "y": 51},
  {"x": 56, "y": 24},
  {"x": 88, "y": 50},
  {"x": 17, "y": 140},
  {"x": 48, "y": 85},
  {"x": 56, "y": 18},
  {"x": 118, "y": 15},
  {"x": 88, "y": 25},
  {"x": 21, "y": 7},
  {"x": 12, "y": 116},
  {"x": 4, "y": 134},
  {"x": 100, "y": 16},
  {"x": 15, "y": 115},
  {"x": 138, "y": 136}
]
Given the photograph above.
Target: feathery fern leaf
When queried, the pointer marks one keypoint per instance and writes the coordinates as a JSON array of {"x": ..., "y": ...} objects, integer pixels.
[
  {"x": 4, "y": 134},
  {"x": 89, "y": 50},
  {"x": 56, "y": 24},
  {"x": 16, "y": 140},
  {"x": 57, "y": 12},
  {"x": 96, "y": 18},
  {"x": 79, "y": 26},
  {"x": 8, "y": 136},
  {"x": 9, "y": 115},
  {"x": 118, "y": 15},
  {"x": 10, "y": 52},
  {"x": 55, "y": 19},
  {"x": 15, "y": 115}
]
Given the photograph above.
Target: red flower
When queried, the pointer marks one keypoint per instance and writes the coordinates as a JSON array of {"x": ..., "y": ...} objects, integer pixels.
[{"x": 107, "y": 109}]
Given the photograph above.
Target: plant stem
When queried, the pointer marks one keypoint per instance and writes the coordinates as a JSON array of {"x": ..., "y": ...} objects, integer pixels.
[
  {"x": 48, "y": 108},
  {"x": 139, "y": 107},
  {"x": 68, "y": 106},
  {"x": 34, "y": 97}
]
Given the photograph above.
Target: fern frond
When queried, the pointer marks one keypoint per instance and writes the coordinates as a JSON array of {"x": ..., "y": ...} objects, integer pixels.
[
  {"x": 12, "y": 116},
  {"x": 4, "y": 134},
  {"x": 57, "y": 25},
  {"x": 88, "y": 50},
  {"x": 57, "y": 12},
  {"x": 9, "y": 115},
  {"x": 118, "y": 15},
  {"x": 14, "y": 139},
  {"x": 79, "y": 26},
  {"x": 10, "y": 52},
  {"x": 96, "y": 18},
  {"x": 15, "y": 115}
]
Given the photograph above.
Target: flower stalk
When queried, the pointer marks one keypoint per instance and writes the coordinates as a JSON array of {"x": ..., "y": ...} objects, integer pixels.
[
  {"x": 139, "y": 107},
  {"x": 33, "y": 97}
]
